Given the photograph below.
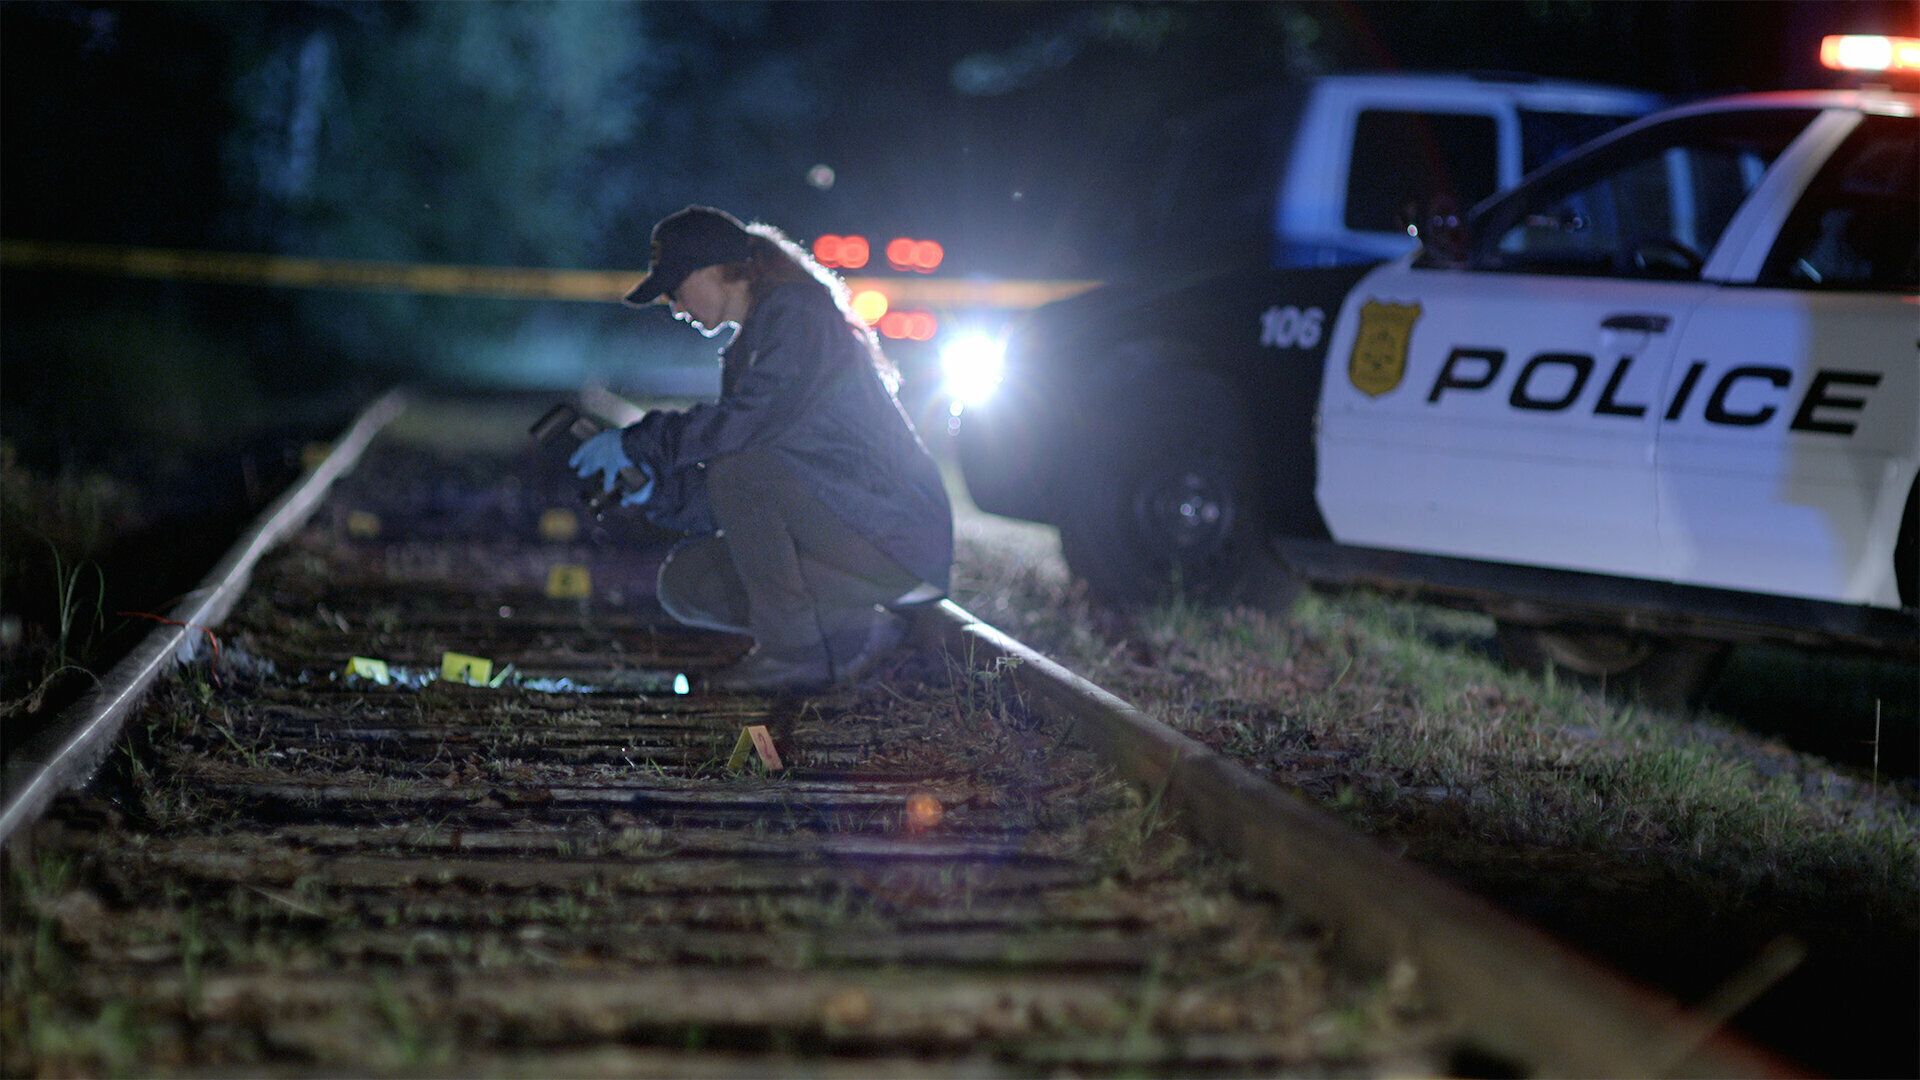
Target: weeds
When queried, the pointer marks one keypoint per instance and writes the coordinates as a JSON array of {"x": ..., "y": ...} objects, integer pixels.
[
  {"x": 65, "y": 581},
  {"x": 1407, "y": 724},
  {"x": 63, "y": 656},
  {"x": 409, "y": 1043},
  {"x": 112, "y": 1041},
  {"x": 1150, "y": 813},
  {"x": 1137, "y": 1042}
]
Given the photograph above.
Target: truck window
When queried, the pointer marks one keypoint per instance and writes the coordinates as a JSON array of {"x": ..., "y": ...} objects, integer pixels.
[
  {"x": 1858, "y": 225},
  {"x": 1413, "y": 161},
  {"x": 1545, "y": 136},
  {"x": 1651, "y": 206}
]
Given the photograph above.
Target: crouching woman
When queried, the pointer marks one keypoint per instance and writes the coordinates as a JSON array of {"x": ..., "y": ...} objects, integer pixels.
[{"x": 814, "y": 507}]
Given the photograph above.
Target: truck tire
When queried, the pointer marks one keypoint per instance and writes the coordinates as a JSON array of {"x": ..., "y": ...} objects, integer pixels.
[
  {"x": 1162, "y": 503},
  {"x": 1671, "y": 673},
  {"x": 997, "y": 449}
]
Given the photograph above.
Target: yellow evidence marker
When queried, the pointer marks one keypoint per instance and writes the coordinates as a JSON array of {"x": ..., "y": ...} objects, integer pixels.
[
  {"x": 754, "y": 738},
  {"x": 365, "y": 667},
  {"x": 559, "y": 525},
  {"x": 363, "y": 524},
  {"x": 569, "y": 581},
  {"x": 461, "y": 668},
  {"x": 312, "y": 454}
]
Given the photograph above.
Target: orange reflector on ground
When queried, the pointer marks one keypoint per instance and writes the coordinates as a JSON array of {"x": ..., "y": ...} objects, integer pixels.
[
  {"x": 754, "y": 739},
  {"x": 923, "y": 812}
]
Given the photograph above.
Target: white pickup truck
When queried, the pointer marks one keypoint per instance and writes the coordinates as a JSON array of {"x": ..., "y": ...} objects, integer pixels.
[{"x": 1661, "y": 397}]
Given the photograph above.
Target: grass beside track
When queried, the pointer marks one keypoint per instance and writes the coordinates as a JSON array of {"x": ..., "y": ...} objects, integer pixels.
[{"x": 1682, "y": 848}]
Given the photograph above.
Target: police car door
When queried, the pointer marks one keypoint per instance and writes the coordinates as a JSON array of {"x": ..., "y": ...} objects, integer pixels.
[
  {"x": 1791, "y": 442},
  {"x": 1508, "y": 411}
]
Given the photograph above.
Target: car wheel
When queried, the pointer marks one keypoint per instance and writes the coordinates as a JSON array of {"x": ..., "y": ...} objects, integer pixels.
[
  {"x": 1666, "y": 672},
  {"x": 1164, "y": 504}
]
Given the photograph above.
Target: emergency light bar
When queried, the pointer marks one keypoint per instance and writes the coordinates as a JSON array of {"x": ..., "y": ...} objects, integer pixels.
[{"x": 1871, "y": 52}]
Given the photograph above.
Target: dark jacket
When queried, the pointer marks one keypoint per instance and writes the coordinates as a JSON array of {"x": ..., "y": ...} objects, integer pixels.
[{"x": 799, "y": 380}]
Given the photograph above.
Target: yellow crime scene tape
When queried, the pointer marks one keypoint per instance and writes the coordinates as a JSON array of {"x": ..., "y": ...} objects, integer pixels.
[{"x": 498, "y": 282}]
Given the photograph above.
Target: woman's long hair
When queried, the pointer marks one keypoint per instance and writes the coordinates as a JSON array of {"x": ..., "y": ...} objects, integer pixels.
[{"x": 773, "y": 260}]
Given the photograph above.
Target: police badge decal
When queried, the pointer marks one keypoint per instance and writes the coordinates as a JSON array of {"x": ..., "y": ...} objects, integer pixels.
[{"x": 1379, "y": 359}]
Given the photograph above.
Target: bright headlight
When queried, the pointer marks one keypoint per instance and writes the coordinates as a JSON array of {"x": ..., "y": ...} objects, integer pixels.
[{"x": 973, "y": 365}]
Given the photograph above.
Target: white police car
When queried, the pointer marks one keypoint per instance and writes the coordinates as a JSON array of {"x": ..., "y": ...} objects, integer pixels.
[{"x": 1662, "y": 396}]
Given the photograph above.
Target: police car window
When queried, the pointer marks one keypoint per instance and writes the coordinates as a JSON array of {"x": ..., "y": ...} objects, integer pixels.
[
  {"x": 1545, "y": 136},
  {"x": 1650, "y": 206},
  {"x": 1408, "y": 163},
  {"x": 1858, "y": 225}
]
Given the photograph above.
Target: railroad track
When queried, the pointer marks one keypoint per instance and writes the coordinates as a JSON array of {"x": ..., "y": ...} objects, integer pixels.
[{"x": 969, "y": 862}]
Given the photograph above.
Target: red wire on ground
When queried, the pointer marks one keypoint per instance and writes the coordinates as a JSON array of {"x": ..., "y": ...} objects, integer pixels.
[{"x": 211, "y": 636}]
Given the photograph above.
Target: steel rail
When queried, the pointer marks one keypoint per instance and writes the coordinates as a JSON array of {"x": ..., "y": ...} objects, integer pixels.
[
  {"x": 72, "y": 748},
  {"x": 1518, "y": 991}
]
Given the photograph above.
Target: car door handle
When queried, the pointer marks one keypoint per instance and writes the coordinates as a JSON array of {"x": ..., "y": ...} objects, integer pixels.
[{"x": 1639, "y": 324}]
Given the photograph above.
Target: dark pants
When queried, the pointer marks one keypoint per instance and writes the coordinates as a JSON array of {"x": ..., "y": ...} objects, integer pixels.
[{"x": 783, "y": 567}]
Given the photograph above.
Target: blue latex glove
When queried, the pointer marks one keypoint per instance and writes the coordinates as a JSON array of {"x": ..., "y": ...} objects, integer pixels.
[
  {"x": 605, "y": 454},
  {"x": 602, "y": 454},
  {"x": 635, "y": 498}
]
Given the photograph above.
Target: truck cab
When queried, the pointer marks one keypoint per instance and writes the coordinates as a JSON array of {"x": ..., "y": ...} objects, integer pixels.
[{"x": 1370, "y": 153}]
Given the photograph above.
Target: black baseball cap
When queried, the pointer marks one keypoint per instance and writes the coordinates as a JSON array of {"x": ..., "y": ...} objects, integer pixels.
[{"x": 685, "y": 241}]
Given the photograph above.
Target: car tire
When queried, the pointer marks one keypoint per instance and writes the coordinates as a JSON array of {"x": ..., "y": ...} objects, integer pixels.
[
  {"x": 1163, "y": 503},
  {"x": 1672, "y": 673}
]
